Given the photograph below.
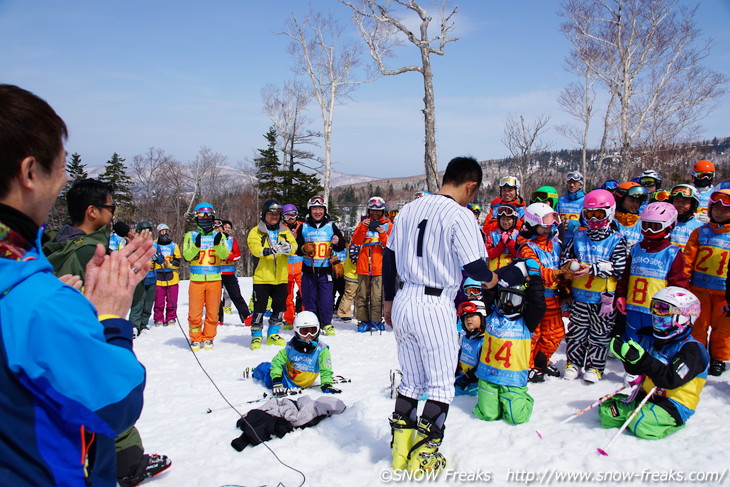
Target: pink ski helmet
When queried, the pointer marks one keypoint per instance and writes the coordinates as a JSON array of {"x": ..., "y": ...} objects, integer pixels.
[
  {"x": 658, "y": 219},
  {"x": 599, "y": 206}
]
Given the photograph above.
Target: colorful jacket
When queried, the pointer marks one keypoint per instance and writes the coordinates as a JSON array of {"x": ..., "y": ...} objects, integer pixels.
[
  {"x": 166, "y": 263},
  {"x": 51, "y": 396},
  {"x": 708, "y": 254},
  {"x": 302, "y": 369},
  {"x": 272, "y": 268},
  {"x": 205, "y": 260},
  {"x": 490, "y": 223},
  {"x": 372, "y": 243}
]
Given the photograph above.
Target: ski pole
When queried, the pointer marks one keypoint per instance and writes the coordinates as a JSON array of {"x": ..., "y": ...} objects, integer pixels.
[
  {"x": 262, "y": 398},
  {"x": 584, "y": 410},
  {"x": 604, "y": 451}
]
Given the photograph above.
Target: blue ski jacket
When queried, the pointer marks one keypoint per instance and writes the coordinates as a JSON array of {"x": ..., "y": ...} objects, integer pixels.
[{"x": 65, "y": 377}]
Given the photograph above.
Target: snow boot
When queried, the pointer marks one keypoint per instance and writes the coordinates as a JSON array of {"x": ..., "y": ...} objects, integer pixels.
[
  {"x": 401, "y": 442},
  {"x": 424, "y": 454},
  {"x": 155, "y": 465},
  {"x": 717, "y": 367}
]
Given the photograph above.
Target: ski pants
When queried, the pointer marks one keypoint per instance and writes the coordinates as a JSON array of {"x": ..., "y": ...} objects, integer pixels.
[
  {"x": 511, "y": 403},
  {"x": 203, "y": 294},
  {"x": 166, "y": 303},
  {"x": 713, "y": 322},
  {"x": 317, "y": 296},
  {"x": 344, "y": 310},
  {"x": 588, "y": 335},
  {"x": 230, "y": 283},
  {"x": 369, "y": 299},
  {"x": 295, "y": 277},
  {"x": 549, "y": 333},
  {"x": 261, "y": 295},
  {"x": 144, "y": 299},
  {"x": 652, "y": 423}
]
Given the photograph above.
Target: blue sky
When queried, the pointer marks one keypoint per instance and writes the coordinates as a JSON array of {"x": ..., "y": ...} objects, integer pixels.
[{"x": 182, "y": 74}]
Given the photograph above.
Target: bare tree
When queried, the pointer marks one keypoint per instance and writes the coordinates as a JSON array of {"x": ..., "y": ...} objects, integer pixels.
[
  {"x": 205, "y": 177},
  {"x": 523, "y": 138},
  {"x": 382, "y": 30},
  {"x": 331, "y": 64},
  {"x": 650, "y": 61}
]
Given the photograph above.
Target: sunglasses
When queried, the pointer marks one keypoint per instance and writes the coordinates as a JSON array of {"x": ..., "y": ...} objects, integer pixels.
[
  {"x": 111, "y": 208},
  {"x": 722, "y": 198},
  {"x": 507, "y": 211},
  {"x": 594, "y": 214},
  {"x": 703, "y": 175}
]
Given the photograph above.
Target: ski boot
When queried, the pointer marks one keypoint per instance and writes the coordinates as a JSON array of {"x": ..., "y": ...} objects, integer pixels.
[
  {"x": 256, "y": 343},
  {"x": 424, "y": 454},
  {"x": 195, "y": 346},
  {"x": 717, "y": 367},
  {"x": 363, "y": 326},
  {"x": 208, "y": 344},
  {"x": 275, "y": 339},
  {"x": 402, "y": 430},
  {"x": 329, "y": 330}
]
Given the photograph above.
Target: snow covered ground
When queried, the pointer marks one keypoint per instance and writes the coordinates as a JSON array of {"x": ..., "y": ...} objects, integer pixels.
[{"x": 352, "y": 449}]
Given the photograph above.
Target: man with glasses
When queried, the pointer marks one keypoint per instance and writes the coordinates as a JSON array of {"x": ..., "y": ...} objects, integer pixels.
[
  {"x": 703, "y": 172},
  {"x": 91, "y": 210},
  {"x": 205, "y": 249},
  {"x": 571, "y": 204}
]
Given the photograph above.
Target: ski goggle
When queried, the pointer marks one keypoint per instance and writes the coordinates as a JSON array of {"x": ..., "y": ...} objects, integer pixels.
[
  {"x": 204, "y": 213},
  {"x": 661, "y": 195},
  {"x": 647, "y": 181},
  {"x": 684, "y": 191},
  {"x": 594, "y": 213},
  {"x": 290, "y": 214},
  {"x": 703, "y": 175},
  {"x": 274, "y": 208},
  {"x": 574, "y": 176},
  {"x": 163, "y": 232},
  {"x": 476, "y": 209},
  {"x": 316, "y": 201},
  {"x": 550, "y": 219},
  {"x": 507, "y": 211},
  {"x": 638, "y": 192},
  {"x": 508, "y": 181},
  {"x": 472, "y": 292},
  {"x": 652, "y": 227},
  {"x": 467, "y": 307},
  {"x": 307, "y": 331},
  {"x": 543, "y": 196},
  {"x": 662, "y": 308},
  {"x": 722, "y": 198}
]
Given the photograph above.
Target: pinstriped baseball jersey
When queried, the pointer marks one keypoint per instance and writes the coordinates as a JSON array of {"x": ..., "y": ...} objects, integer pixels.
[{"x": 434, "y": 238}]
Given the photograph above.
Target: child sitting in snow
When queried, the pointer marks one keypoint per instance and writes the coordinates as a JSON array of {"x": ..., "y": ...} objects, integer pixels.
[
  {"x": 670, "y": 360},
  {"x": 301, "y": 361},
  {"x": 519, "y": 304},
  {"x": 472, "y": 315}
]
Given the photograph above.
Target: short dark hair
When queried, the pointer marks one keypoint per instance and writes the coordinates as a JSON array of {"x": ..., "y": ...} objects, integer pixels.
[
  {"x": 29, "y": 127},
  {"x": 462, "y": 170},
  {"x": 85, "y": 193}
]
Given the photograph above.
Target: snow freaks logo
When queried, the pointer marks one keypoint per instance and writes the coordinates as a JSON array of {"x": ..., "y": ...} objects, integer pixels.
[{"x": 482, "y": 477}]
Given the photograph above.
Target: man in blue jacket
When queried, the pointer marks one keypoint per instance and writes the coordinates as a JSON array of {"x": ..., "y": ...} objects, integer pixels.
[{"x": 60, "y": 409}]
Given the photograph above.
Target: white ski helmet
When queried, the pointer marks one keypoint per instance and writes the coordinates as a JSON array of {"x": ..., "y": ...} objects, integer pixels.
[
  {"x": 376, "y": 203},
  {"x": 673, "y": 312},
  {"x": 510, "y": 181},
  {"x": 537, "y": 214},
  {"x": 303, "y": 322}
]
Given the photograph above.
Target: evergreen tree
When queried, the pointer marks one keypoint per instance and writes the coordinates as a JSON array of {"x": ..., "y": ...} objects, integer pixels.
[
  {"x": 115, "y": 173},
  {"x": 76, "y": 169},
  {"x": 268, "y": 172}
]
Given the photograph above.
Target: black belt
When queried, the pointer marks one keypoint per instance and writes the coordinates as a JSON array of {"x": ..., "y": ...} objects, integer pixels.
[{"x": 428, "y": 291}]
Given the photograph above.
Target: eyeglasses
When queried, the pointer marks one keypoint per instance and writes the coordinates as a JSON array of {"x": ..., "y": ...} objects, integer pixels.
[
  {"x": 291, "y": 214},
  {"x": 594, "y": 213},
  {"x": 719, "y": 197},
  {"x": 507, "y": 211},
  {"x": 472, "y": 292},
  {"x": 508, "y": 181},
  {"x": 111, "y": 208},
  {"x": 703, "y": 175},
  {"x": 686, "y": 191},
  {"x": 647, "y": 181}
]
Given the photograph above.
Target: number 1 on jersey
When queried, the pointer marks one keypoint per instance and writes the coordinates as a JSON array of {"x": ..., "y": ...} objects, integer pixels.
[{"x": 419, "y": 243}]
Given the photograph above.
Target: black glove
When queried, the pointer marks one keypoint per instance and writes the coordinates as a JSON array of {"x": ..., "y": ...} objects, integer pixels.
[
  {"x": 198, "y": 238},
  {"x": 374, "y": 224},
  {"x": 267, "y": 251},
  {"x": 218, "y": 237},
  {"x": 465, "y": 379},
  {"x": 328, "y": 389}
]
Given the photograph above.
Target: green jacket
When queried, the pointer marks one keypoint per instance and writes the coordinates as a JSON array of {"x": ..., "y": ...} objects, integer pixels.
[
  {"x": 212, "y": 257},
  {"x": 71, "y": 250}
]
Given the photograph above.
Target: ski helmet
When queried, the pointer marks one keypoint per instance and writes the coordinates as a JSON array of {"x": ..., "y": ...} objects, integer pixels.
[
  {"x": 685, "y": 191},
  {"x": 419, "y": 194},
  {"x": 599, "y": 207},
  {"x": 718, "y": 197},
  {"x": 541, "y": 214},
  {"x": 162, "y": 227},
  {"x": 270, "y": 206},
  {"x": 316, "y": 201},
  {"x": 650, "y": 178},
  {"x": 658, "y": 220},
  {"x": 545, "y": 194},
  {"x": 511, "y": 296},
  {"x": 203, "y": 208},
  {"x": 144, "y": 225},
  {"x": 510, "y": 181},
  {"x": 472, "y": 288},
  {"x": 289, "y": 208},
  {"x": 673, "y": 312},
  {"x": 306, "y": 326},
  {"x": 376, "y": 203},
  {"x": 469, "y": 308},
  {"x": 475, "y": 208}
]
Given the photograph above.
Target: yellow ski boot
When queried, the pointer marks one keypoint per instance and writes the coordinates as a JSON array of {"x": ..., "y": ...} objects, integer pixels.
[
  {"x": 424, "y": 454},
  {"x": 402, "y": 440}
]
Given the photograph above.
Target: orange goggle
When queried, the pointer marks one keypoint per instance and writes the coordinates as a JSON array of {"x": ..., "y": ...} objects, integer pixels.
[
  {"x": 703, "y": 175},
  {"x": 722, "y": 198},
  {"x": 473, "y": 291},
  {"x": 594, "y": 214},
  {"x": 661, "y": 195}
]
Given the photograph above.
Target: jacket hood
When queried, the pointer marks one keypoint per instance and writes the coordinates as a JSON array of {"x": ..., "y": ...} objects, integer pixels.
[
  {"x": 575, "y": 196},
  {"x": 67, "y": 232},
  {"x": 263, "y": 227}
]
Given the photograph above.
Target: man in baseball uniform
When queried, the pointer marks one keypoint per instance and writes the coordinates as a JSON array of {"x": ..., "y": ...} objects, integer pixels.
[{"x": 435, "y": 238}]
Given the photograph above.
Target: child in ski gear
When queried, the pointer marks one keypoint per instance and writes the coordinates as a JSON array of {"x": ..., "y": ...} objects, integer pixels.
[
  {"x": 629, "y": 199},
  {"x": 318, "y": 237},
  {"x": 371, "y": 234},
  {"x": 502, "y": 240},
  {"x": 290, "y": 214},
  {"x": 654, "y": 263},
  {"x": 601, "y": 253},
  {"x": 668, "y": 358},
  {"x": 472, "y": 315},
  {"x": 166, "y": 264},
  {"x": 703, "y": 172},
  {"x": 509, "y": 192},
  {"x": 651, "y": 180},
  {"x": 301, "y": 362},
  {"x": 272, "y": 244},
  {"x": 205, "y": 249},
  {"x": 685, "y": 199},
  {"x": 543, "y": 246},
  {"x": 518, "y": 305},
  {"x": 570, "y": 204},
  {"x": 707, "y": 252}
]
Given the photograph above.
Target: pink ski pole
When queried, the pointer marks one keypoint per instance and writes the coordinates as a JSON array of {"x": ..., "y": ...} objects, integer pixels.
[{"x": 604, "y": 451}]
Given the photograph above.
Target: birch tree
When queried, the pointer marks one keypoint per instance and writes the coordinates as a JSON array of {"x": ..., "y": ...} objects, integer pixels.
[
  {"x": 524, "y": 138},
  {"x": 382, "y": 28},
  {"x": 332, "y": 65}
]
